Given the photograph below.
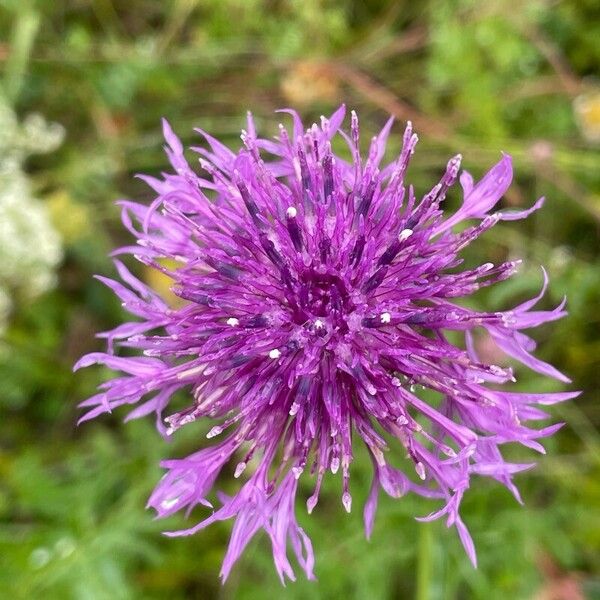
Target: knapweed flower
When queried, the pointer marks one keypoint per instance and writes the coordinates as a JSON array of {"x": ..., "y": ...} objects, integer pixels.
[{"x": 318, "y": 293}]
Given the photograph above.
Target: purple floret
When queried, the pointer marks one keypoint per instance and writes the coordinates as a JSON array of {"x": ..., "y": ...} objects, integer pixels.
[{"x": 316, "y": 296}]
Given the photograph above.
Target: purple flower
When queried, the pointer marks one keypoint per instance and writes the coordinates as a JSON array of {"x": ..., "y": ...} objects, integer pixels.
[{"x": 318, "y": 293}]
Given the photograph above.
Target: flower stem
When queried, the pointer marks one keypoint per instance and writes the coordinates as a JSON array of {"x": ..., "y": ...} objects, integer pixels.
[{"x": 424, "y": 562}]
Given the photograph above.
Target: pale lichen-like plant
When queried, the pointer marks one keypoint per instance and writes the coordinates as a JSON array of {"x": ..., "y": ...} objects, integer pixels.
[{"x": 30, "y": 247}]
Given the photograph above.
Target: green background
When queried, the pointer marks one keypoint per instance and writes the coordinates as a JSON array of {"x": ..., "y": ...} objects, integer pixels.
[{"x": 474, "y": 77}]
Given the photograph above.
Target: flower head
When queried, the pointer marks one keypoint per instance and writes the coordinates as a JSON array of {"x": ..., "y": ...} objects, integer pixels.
[{"x": 318, "y": 293}]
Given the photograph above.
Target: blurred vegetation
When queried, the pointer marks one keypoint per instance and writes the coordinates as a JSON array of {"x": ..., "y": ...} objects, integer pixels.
[{"x": 474, "y": 77}]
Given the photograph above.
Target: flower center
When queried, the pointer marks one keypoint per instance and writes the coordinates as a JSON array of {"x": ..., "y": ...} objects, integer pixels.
[{"x": 323, "y": 295}]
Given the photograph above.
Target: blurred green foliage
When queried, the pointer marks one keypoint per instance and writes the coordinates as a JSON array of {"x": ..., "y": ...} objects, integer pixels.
[{"x": 475, "y": 77}]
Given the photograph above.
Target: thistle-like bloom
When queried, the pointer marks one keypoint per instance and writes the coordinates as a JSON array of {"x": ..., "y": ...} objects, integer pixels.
[{"x": 317, "y": 296}]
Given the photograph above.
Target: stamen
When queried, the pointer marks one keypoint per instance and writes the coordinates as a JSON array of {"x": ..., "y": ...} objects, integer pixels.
[
  {"x": 269, "y": 247},
  {"x": 327, "y": 176},
  {"x": 240, "y": 468},
  {"x": 375, "y": 280},
  {"x": 251, "y": 206},
  {"x": 405, "y": 234},
  {"x": 215, "y": 431},
  {"x": 305, "y": 179},
  {"x": 293, "y": 229},
  {"x": 354, "y": 127},
  {"x": 193, "y": 371},
  {"x": 335, "y": 464},
  {"x": 388, "y": 256},
  {"x": 357, "y": 251},
  {"x": 256, "y": 322},
  {"x": 365, "y": 204},
  {"x": 347, "y": 501}
]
